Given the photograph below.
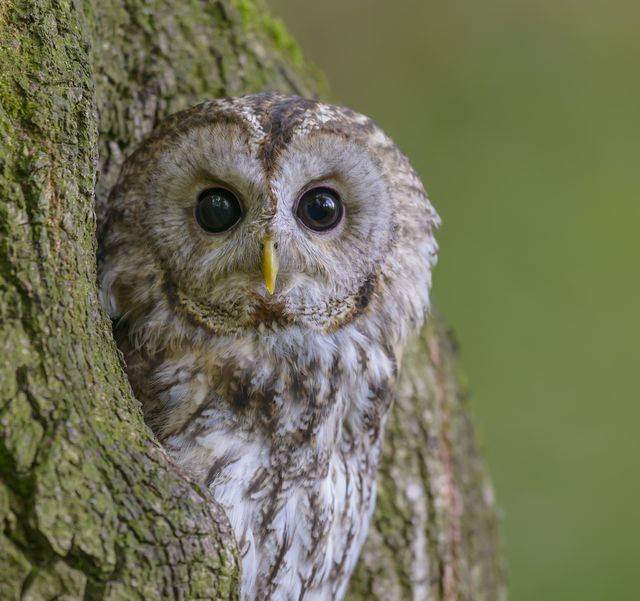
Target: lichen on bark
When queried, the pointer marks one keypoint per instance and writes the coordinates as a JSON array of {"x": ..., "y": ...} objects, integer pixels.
[{"x": 90, "y": 506}]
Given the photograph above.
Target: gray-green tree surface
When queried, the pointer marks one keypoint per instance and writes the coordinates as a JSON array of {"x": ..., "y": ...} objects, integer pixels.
[{"x": 91, "y": 508}]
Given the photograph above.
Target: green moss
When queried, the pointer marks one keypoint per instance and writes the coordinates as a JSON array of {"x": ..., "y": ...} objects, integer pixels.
[
  {"x": 257, "y": 18},
  {"x": 58, "y": 582},
  {"x": 14, "y": 570},
  {"x": 21, "y": 434},
  {"x": 275, "y": 28}
]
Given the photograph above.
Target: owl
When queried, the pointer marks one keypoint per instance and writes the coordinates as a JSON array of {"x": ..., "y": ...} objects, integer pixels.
[{"x": 264, "y": 260}]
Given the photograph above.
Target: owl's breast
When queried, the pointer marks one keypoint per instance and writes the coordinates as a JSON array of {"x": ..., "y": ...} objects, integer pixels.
[
  {"x": 299, "y": 525},
  {"x": 291, "y": 455}
]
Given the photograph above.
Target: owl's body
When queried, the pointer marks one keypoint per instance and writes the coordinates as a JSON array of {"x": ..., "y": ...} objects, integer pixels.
[
  {"x": 291, "y": 455},
  {"x": 276, "y": 402}
]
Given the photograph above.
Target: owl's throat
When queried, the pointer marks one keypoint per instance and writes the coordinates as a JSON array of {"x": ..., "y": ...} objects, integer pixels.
[{"x": 294, "y": 388}]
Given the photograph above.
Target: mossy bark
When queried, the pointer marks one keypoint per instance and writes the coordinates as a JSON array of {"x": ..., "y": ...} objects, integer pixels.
[{"x": 90, "y": 506}]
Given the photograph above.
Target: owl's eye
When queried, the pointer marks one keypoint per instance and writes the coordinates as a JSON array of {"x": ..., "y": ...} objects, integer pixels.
[
  {"x": 320, "y": 209},
  {"x": 218, "y": 210}
]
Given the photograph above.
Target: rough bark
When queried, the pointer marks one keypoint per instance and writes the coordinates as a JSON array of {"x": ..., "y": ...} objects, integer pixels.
[{"x": 90, "y": 506}]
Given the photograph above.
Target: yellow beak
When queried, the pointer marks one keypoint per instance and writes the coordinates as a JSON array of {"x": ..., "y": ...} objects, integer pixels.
[{"x": 269, "y": 263}]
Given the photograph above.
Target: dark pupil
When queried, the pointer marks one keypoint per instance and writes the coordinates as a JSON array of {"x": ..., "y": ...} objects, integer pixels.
[
  {"x": 217, "y": 210},
  {"x": 320, "y": 209}
]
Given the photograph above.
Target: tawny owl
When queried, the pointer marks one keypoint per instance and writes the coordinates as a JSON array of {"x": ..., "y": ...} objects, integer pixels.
[{"x": 265, "y": 258}]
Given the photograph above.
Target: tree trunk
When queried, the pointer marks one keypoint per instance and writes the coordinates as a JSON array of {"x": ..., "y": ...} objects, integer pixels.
[{"x": 91, "y": 507}]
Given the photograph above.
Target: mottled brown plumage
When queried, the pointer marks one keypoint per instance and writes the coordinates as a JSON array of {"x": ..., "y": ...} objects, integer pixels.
[{"x": 276, "y": 403}]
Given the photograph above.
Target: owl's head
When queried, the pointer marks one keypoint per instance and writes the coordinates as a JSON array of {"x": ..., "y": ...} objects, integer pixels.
[{"x": 266, "y": 212}]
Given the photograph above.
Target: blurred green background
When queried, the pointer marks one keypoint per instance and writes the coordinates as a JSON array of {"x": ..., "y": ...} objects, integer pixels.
[{"x": 523, "y": 120}]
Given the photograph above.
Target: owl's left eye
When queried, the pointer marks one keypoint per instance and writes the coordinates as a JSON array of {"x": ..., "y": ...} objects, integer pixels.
[
  {"x": 320, "y": 209},
  {"x": 218, "y": 210}
]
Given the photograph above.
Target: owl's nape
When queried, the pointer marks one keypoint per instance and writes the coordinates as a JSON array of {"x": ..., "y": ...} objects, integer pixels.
[{"x": 267, "y": 257}]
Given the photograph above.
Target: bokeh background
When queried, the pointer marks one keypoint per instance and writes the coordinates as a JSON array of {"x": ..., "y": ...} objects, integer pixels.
[{"x": 523, "y": 118}]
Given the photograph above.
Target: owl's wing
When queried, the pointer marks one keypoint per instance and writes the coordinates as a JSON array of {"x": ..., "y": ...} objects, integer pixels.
[{"x": 434, "y": 532}]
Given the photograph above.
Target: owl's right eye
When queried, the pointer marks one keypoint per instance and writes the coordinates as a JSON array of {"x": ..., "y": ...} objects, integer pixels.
[{"x": 218, "y": 210}]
